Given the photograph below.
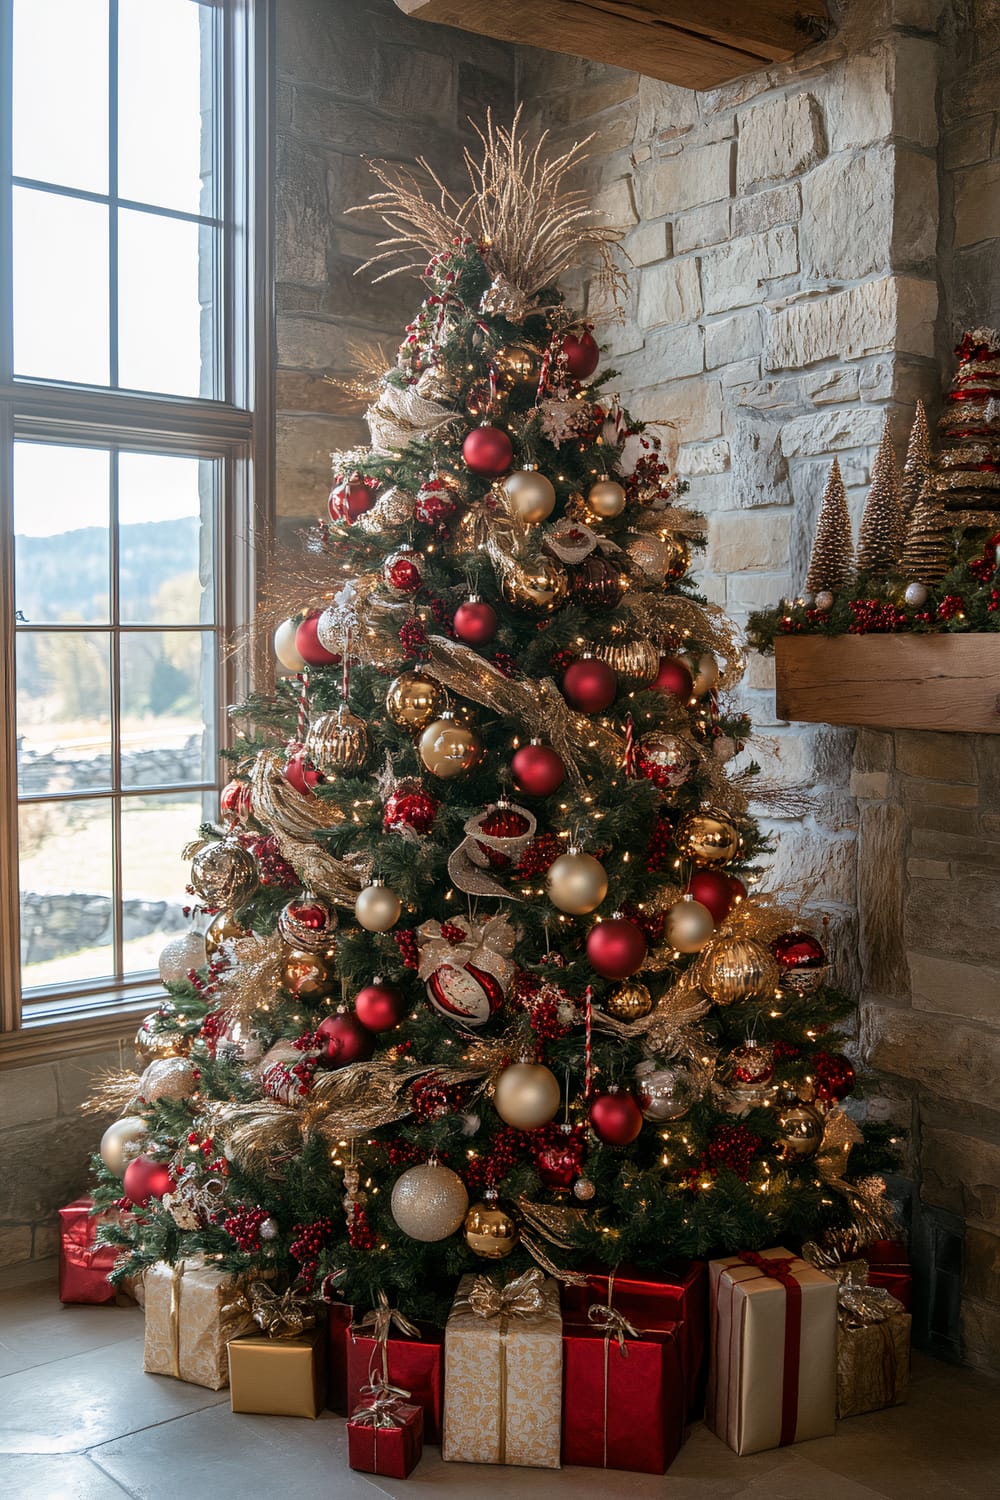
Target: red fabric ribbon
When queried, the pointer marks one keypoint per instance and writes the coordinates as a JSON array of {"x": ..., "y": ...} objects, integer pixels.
[{"x": 780, "y": 1269}]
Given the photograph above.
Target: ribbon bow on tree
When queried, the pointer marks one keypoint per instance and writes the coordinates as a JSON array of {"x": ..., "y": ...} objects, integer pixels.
[{"x": 461, "y": 941}]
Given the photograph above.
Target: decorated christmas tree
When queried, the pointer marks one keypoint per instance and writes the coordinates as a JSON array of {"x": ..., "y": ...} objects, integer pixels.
[{"x": 486, "y": 971}]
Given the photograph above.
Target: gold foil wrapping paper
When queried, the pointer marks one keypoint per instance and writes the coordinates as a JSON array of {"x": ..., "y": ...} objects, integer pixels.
[
  {"x": 279, "y": 1377},
  {"x": 503, "y": 1382},
  {"x": 186, "y": 1329},
  {"x": 873, "y": 1364}
]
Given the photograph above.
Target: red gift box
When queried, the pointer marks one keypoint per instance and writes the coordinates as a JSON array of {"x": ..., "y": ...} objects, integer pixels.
[
  {"x": 675, "y": 1298},
  {"x": 339, "y": 1318},
  {"x": 84, "y": 1267},
  {"x": 413, "y": 1363},
  {"x": 889, "y": 1267},
  {"x": 385, "y": 1436},
  {"x": 624, "y": 1402}
]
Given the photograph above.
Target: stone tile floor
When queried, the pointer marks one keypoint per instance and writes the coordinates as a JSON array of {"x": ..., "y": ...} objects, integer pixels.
[{"x": 80, "y": 1421}]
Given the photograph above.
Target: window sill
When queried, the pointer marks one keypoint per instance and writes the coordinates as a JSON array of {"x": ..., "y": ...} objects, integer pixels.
[{"x": 74, "y": 1029}]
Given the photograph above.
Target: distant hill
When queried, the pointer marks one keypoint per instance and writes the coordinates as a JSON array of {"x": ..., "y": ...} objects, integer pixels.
[{"x": 72, "y": 568}]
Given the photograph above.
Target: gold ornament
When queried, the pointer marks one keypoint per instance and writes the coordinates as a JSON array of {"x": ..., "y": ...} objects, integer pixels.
[
  {"x": 429, "y": 1202},
  {"x": 449, "y": 748},
  {"x": 537, "y": 588},
  {"x": 337, "y": 741},
  {"x": 526, "y": 1095},
  {"x": 121, "y": 1141},
  {"x": 168, "y": 1078},
  {"x": 394, "y": 508},
  {"x": 633, "y": 659},
  {"x": 150, "y": 1043},
  {"x": 704, "y": 671},
  {"x": 576, "y": 882},
  {"x": 223, "y": 873},
  {"x": 800, "y": 1132},
  {"x": 181, "y": 954},
  {"x": 490, "y": 1230},
  {"x": 629, "y": 1001},
  {"x": 530, "y": 496},
  {"x": 679, "y": 559},
  {"x": 737, "y": 968},
  {"x": 413, "y": 700},
  {"x": 606, "y": 499},
  {"x": 222, "y": 929},
  {"x": 308, "y": 976},
  {"x": 517, "y": 368},
  {"x": 708, "y": 838},
  {"x": 378, "y": 907},
  {"x": 689, "y": 926}
]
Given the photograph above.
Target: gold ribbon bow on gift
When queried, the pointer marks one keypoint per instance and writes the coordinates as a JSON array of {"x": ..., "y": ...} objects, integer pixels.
[
  {"x": 614, "y": 1325},
  {"x": 381, "y": 1319},
  {"x": 381, "y": 1412},
  {"x": 281, "y": 1315},
  {"x": 859, "y": 1304}
]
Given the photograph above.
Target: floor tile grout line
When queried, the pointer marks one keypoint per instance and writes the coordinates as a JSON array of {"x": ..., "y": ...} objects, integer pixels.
[{"x": 100, "y": 1469}]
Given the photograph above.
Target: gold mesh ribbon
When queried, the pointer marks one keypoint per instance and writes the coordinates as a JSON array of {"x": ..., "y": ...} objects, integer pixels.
[
  {"x": 613, "y": 1325},
  {"x": 381, "y": 1319},
  {"x": 281, "y": 1315},
  {"x": 295, "y": 820}
]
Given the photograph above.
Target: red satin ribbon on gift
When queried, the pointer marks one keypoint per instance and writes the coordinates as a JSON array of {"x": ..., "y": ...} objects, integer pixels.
[{"x": 780, "y": 1269}]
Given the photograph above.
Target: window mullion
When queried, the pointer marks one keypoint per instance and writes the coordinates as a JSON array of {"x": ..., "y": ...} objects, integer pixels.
[
  {"x": 117, "y": 892},
  {"x": 10, "y": 902},
  {"x": 113, "y": 190}
]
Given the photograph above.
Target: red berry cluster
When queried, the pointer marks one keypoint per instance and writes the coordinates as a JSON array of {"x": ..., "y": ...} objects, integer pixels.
[
  {"x": 452, "y": 933},
  {"x": 204, "y": 1145},
  {"x": 732, "y": 1148},
  {"x": 506, "y": 1150},
  {"x": 560, "y": 660},
  {"x": 505, "y": 663},
  {"x": 307, "y": 1042},
  {"x": 212, "y": 1028},
  {"x": 409, "y": 950},
  {"x": 950, "y": 606},
  {"x": 442, "y": 614},
  {"x": 783, "y": 1050},
  {"x": 659, "y": 850},
  {"x": 432, "y": 1098},
  {"x": 271, "y": 867},
  {"x": 303, "y": 1071},
  {"x": 875, "y": 617},
  {"x": 834, "y": 1075},
  {"x": 307, "y": 1244},
  {"x": 404, "y": 1153},
  {"x": 413, "y": 639},
  {"x": 543, "y": 1013},
  {"x": 360, "y": 1234},
  {"x": 538, "y": 856},
  {"x": 243, "y": 1225}
]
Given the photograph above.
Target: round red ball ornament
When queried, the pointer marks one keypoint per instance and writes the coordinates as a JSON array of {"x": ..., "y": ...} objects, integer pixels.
[
  {"x": 488, "y": 451},
  {"x": 798, "y": 950},
  {"x": 409, "y": 806},
  {"x": 402, "y": 570},
  {"x": 714, "y": 889},
  {"x": 475, "y": 622},
  {"x": 739, "y": 890},
  {"x": 589, "y": 685},
  {"x": 582, "y": 355},
  {"x": 350, "y": 498},
  {"x": 834, "y": 1076},
  {"x": 616, "y": 1118},
  {"x": 616, "y": 948},
  {"x": 380, "y": 1006},
  {"x": 301, "y": 772},
  {"x": 343, "y": 1039},
  {"x": 674, "y": 677},
  {"x": 307, "y": 643},
  {"x": 145, "y": 1179},
  {"x": 538, "y": 769}
]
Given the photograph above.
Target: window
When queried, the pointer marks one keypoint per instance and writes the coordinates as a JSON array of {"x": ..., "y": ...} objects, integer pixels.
[{"x": 132, "y": 424}]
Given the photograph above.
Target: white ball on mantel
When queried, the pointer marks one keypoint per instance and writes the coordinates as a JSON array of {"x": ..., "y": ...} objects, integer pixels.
[
  {"x": 916, "y": 594},
  {"x": 180, "y": 955},
  {"x": 824, "y": 599},
  {"x": 285, "y": 649}
]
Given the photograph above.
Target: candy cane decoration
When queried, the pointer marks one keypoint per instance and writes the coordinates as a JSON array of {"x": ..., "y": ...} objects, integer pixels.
[
  {"x": 629, "y": 758},
  {"x": 588, "y": 1048},
  {"x": 303, "y": 720}
]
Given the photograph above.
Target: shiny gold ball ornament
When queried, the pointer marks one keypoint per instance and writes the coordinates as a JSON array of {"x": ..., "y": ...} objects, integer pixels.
[
  {"x": 737, "y": 969},
  {"x": 414, "y": 700},
  {"x": 168, "y": 1078},
  {"x": 517, "y": 368},
  {"x": 223, "y": 873},
  {"x": 527, "y": 1095},
  {"x": 689, "y": 925},
  {"x": 530, "y": 496},
  {"x": 121, "y": 1141},
  {"x": 708, "y": 837},
  {"x": 378, "y": 907},
  {"x": 308, "y": 976},
  {"x": 633, "y": 660},
  {"x": 629, "y": 1001},
  {"x": 223, "y": 928},
  {"x": 337, "y": 741},
  {"x": 606, "y": 499},
  {"x": 490, "y": 1229},
  {"x": 576, "y": 883},
  {"x": 678, "y": 559},
  {"x": 800, "y": 1132},
  {"x": 151, "y": 1043},
  {"x": 535, "y": 588},
  {"x": 449, "y": 748},
  {"x": 429, "y": 1202},
  {"x": 704, "y": 671}
]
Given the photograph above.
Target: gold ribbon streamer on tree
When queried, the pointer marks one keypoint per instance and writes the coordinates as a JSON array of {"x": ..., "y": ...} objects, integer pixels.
[
  {"x": 657, "y": 615},
  {"x": 295, "y": 820}
]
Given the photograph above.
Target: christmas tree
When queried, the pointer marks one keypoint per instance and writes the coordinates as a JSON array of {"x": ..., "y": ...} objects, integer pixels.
[
  {"x": 880, "y": 537},
  {"x": 487, "y": 974},
  {"x": 929, "y": 548},
  {"x": 917, "y": 465},
  {"x": 831, "y": 566}
]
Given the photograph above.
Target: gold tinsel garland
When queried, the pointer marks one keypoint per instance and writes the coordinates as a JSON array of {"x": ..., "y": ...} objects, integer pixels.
[{"x": 294, "y": 821}]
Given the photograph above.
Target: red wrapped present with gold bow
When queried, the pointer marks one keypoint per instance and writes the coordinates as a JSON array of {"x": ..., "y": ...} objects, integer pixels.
[
  {"x": 386, "y": 1347},
  {"x": 385, "y": 1434},
  {"x": 889, "y": 1267}
]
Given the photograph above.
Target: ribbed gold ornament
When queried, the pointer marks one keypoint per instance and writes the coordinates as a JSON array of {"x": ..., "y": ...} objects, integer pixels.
[
  {"x": 736, "y": 969},
  {"x": 633, "y": 658},
  {"x": 629, "y": 1001},
  {"x": 337, "y": 741}
]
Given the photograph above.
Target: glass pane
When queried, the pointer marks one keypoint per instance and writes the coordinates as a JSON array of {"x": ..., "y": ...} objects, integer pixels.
[
  {"x": 61, "y": 567},
  {"x": 61, "y": 92},
  {"x": 60, "y": 288},
  {"x": 167, "y": 707},
  {"x": 166, "y": 336},
  {"x": 154, "y": 876},
  {"x": 166, "y": 512},
  {"x": 67, "y": 932},
  {"x": 63, "y": 712},
  {"x": 165, "y": 75}
]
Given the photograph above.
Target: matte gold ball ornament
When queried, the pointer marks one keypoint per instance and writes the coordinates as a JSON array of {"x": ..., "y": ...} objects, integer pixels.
[
  {"x": 576, "y": 883},
  {"x": 223, "y": 873},
  {"x": 378, "y": 907},
  {"x": 529, "y": 495},
  {"x": 606, "y": 499},
  {"x": 628, "y": 1001},
  {"x": 490, "y": 1229},
  {"x": 535, "y": 588},
  {"x": 527, "y": 1095},
  {"x": 708, "y": 837},
  {"x": 168, "y": 1078},
  {"x": 123, "y": 1140},
  {"x": 689, "y": 926},
  {"x": 449, "y": 748},
  {"x": 800, "y": 1132},
  {"x": 737, "y": 969},
  {"x": 414, "y": 700},
  {"x": 429, "y": 1202},
  {"x": 337, "y": 741}
]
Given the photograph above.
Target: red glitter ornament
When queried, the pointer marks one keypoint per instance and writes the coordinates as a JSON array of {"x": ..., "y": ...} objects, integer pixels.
[
  {"x": 539, "y": 855},
  {"x": 590, "y": 685},
  {"x": 488, "y": 451},
  {"x": 402, "y": 572},
  {"x": 409, "y": 806},
  {"x": 350, "y": 498},
  {"x": 302, "y": 774},
  {"x": 234, "y": 800}
]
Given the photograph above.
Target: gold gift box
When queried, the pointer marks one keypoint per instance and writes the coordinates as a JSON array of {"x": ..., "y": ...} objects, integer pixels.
[
  {"x": 873, "y": 1365},
  {"x": 277, "y": 1377},
  {"x": 503, "y": 1384},
  {"x": 186, "y": 1324}
]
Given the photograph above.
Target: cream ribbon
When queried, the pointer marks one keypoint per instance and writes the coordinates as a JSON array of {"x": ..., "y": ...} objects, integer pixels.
[{"x": 613, "y": 1324}]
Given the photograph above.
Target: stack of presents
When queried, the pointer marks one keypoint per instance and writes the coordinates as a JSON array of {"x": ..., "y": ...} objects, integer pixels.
[{"x": 608, "y": 1372}]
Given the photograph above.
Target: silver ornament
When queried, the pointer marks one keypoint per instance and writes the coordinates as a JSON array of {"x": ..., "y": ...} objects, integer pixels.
[
  {"x": 181, "y": 954},
  {"x": 269, "y": 1230},
  {"x": 824, "y": 599},
  {"x": 429, "y": 1202},
  {"x": 168, "y": 1078},
  {"x": 584, "y": 1189},
  {"x": 665, "y": 1093},
  {"x": 916, "y": 595}
]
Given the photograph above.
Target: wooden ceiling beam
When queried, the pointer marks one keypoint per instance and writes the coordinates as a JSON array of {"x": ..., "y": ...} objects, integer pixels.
[{"x": 696, "y": 43}]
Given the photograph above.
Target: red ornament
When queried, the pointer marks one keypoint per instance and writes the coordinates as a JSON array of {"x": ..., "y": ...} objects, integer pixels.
[
  {"x": 616, "y": 1118},
  {"x": 538, "y": 770},
  {"x": 343, "y": 1039},
  {"x": 308, "y": 646},
  {"x": 798, "y": 950},
  {"x": 674, "y": 677},
  {"x": 488, "y": 451},
  {"x": 834, "y": 1076},
  {"x": 616, "y": 948},
  {"x": 597, "y": 582},
  {"x": 738, "y": 888},
  {"x": 409, "y": 806},
  {"x": 234, "y": 801},
  {"x": 466, "y": 994},
  {"x": 581, "y": 355},
  {"x": 380, "y": 1006},
  {"x": 559, "y": 1164},
  {"x": 145, "y": 1179},
  {"x": 590, "y": 685},
  {"x": 402, "y": 572},
  {"x": 349, "y": 499},
  {"x": 307, "y": 922},
  {"x": 475, "y": 622},
  {"x": 504, "y": 822},
  {"x": 714, "y": 889},
  {"x": 301, "y": 772}
]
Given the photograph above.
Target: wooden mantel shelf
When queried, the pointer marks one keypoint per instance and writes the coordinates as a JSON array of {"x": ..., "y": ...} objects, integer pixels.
[
  {"x": 696, "y": 43},
  {"x": 943, "y": 682}
]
